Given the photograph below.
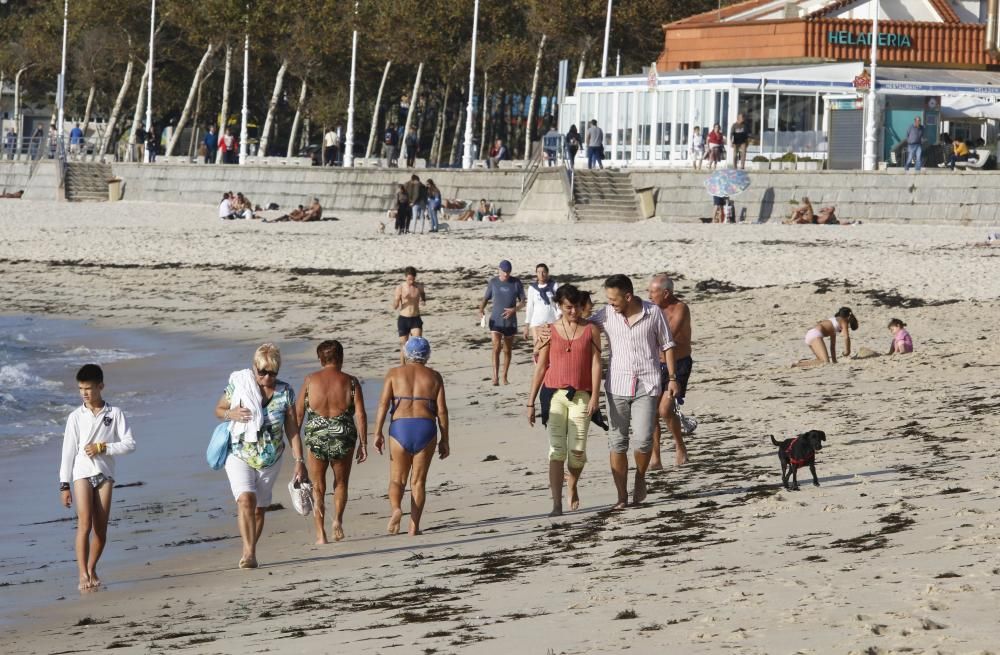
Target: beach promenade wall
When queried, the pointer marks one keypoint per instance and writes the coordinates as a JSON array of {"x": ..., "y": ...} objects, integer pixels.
[
  {"x": 935, "y": 196},
  {"x": 17, "y": 176},
  {"x": 338, "y": 189}
]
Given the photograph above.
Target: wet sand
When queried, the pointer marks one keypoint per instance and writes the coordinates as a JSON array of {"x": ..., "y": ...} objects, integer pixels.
[{"x": 894, "y": 552}]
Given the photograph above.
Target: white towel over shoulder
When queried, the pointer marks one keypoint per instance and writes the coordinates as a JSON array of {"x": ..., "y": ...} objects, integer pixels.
[{"x": 246, "y": 394}]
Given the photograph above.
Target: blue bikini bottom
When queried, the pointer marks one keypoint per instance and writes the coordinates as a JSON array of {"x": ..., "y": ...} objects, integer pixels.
[{"x": 413, "y": 434}]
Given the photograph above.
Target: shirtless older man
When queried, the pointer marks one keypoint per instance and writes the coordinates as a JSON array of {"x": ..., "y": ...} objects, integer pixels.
[
  {"x": 678, "y": 315},
  {"x": 407, "y": 299}
]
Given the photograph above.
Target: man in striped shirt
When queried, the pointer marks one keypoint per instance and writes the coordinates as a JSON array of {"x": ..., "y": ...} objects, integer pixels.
[{"x": 637, "y": 334}]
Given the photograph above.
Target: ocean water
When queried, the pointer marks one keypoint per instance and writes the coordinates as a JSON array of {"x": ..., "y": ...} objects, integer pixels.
[
  {"x": 166, "y": 500},
  {"x": 37, "y": 386}
]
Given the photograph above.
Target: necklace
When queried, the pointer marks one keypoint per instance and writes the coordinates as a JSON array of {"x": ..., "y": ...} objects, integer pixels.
[{"x": 569, "y": 343}]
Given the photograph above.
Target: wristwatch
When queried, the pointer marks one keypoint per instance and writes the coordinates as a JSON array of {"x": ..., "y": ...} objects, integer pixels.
[{"x": 64, "y": 486}]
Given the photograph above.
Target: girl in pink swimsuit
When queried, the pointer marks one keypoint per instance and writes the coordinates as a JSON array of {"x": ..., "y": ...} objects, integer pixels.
[
  {"x": 901, "y": 340},
  {"x": 840, "y": 323}
]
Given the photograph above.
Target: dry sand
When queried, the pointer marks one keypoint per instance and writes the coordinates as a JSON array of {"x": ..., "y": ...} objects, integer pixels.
[{"x": 896, "y": 551}]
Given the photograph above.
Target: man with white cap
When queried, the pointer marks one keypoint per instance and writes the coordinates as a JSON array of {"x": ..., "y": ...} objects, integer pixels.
[{"x": 507, "y": 294}]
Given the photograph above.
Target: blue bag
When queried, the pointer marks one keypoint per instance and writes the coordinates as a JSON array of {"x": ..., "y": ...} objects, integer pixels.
[{"x": 218, "y": 446}]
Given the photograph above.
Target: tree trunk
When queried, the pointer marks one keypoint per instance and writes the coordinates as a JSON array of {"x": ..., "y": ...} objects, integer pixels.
[
  {"x": 413, "y": 103},
  {"x": 119, "y": 101},
  {"x": 86, "y": 111},
  {"x": 195, "y": 122},
  {"x": 508, "y": 123},
  {"x": 17, "y": 110},
  {"x": 531, "y": 104},
  {"x": 486, "y": 112},
  {"x": 378, "y": 104},
  {"x": 458, "y": 130},
  {"x": 579, "y": 70},
  {"x": 140, "y": 105},
  {"x": 192, "y": 92},
  {"x": 438, "y": 143},
  {"x": 224, "y": 116},
  {"x": 279, "y": 80},
  {"x": 295, "y": 121}
]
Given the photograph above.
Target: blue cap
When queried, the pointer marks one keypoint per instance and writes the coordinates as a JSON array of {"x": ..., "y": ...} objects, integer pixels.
[
  {"x": 505, "y": 266},
  {"x": 417, "y": 349}
]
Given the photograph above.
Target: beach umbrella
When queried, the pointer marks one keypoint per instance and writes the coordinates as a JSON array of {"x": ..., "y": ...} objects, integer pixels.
[{"x": 727, "y": 182}]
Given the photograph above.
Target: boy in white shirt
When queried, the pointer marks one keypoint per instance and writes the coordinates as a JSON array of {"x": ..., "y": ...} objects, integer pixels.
[
  {"x": 95, "y": 433},
  {"x": 541, "y": 308}
]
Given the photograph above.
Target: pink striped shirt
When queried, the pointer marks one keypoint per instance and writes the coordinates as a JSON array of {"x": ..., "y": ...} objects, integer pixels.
[{"x": 634, "y": 350}]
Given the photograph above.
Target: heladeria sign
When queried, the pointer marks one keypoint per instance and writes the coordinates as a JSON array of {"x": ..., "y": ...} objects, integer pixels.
[{"x": 885, "y": 39}]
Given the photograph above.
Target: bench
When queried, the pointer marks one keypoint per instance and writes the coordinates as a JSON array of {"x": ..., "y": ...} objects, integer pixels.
[{"x": 982, "y": 155}]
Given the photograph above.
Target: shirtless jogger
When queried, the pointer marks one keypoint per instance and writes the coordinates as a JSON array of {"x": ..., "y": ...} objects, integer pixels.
[{"x": 407, "y": 299}]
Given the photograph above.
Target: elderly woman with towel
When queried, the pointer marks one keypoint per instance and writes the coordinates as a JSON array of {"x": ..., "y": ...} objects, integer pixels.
[{"x": 261, "y": 411}]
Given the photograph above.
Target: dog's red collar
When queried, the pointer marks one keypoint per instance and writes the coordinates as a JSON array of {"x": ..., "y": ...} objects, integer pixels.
[{"x": 809, "y": 459}]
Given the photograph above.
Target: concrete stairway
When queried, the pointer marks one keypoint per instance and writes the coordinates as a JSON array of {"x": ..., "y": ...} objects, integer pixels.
[
  {"x": 604, "y": 196},
  {"x": 87, "y": 181}
]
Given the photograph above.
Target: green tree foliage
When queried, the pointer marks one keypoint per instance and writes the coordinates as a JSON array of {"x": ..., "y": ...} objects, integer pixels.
[{"x": 314, "y": 36}]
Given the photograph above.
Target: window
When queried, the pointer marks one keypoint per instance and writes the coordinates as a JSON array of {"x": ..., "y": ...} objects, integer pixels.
[
  {"x": 749, "y": 106},
  {"x": 626, "y": 107},
  {"x": 645, "y": 129},
  {"x": 664, "y": 120}
]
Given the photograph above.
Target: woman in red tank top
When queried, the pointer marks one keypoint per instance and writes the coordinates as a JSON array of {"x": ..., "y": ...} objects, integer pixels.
[{"x": 568, "y": 369}]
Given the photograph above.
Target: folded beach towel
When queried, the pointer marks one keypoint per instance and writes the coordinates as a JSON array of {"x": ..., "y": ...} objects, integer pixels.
[{"x": 246, "y": 393}]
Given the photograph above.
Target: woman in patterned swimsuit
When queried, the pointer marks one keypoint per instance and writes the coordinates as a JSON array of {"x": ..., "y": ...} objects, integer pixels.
[{"x": 331, "y": 409}]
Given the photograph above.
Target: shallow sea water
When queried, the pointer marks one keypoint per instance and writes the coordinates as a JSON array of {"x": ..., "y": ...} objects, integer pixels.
[{"x": 166, "y": 497}]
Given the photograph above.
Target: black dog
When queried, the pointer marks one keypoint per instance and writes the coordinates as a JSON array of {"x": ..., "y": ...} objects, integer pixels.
[{"x": 798, "y": 452}]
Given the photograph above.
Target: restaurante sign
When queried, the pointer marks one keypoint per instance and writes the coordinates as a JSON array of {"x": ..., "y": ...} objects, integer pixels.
[{"x": 885, "y": 39}]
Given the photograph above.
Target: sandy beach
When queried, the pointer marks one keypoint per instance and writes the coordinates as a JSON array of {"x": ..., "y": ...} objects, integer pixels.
[{"x": 896, "y": 551}]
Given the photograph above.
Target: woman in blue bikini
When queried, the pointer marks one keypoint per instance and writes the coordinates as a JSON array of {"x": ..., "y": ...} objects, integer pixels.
[{"x": 413, "y": 398}]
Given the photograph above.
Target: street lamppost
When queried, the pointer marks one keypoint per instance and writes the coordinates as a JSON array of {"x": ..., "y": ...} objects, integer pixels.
[
  {"x": 607, "y": 34},
  {"x": 467, "y": 150},
  {"x": 149, "y": 85},
  {"x": 61, "y": 85},
  {"x": 870, "y": 161},
  {"x": 246, "y": 84},
  {"x": 348, "y": 156}
]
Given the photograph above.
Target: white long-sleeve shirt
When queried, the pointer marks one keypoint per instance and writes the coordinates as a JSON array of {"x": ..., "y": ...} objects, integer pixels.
[
  {"x": 83, "y": 428},
  {"x": 536, "y": 311}
]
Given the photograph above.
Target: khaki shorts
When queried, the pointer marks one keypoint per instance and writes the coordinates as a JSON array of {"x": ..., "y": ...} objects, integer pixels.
[{"x": 638, "y": 413}]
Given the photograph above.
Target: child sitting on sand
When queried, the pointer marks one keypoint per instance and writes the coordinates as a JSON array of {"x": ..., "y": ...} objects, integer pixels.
[
  {"x": 95, "y": 433},
  {"x": 901, "y": 341},
  {"x": 840, "y": 323}
]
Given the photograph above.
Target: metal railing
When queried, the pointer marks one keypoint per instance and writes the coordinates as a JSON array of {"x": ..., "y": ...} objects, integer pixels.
[{"x": 531, "y": 172}]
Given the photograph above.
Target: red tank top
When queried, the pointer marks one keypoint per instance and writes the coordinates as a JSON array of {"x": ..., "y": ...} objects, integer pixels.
[{"x": 570, "y": 368}]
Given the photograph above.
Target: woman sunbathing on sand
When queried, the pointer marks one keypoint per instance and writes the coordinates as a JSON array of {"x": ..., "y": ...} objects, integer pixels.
[
  {"x": 803, "y": 214},
  {"x": 842, "y": 322}
]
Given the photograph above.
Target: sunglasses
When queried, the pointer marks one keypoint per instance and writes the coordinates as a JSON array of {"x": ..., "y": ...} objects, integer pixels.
[{"x": 262, "y": 374}]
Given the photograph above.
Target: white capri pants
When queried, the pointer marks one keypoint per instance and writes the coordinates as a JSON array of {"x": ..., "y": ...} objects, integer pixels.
[{"x": 246, "y": 479}]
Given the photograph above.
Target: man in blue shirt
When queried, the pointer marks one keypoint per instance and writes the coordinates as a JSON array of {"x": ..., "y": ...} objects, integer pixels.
[
  {"x": 914, "y": 144},
  {"x": 507, "y": 294},
  {"x": 75, "y": 139},
  {"x": 211, "y": 144}
]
